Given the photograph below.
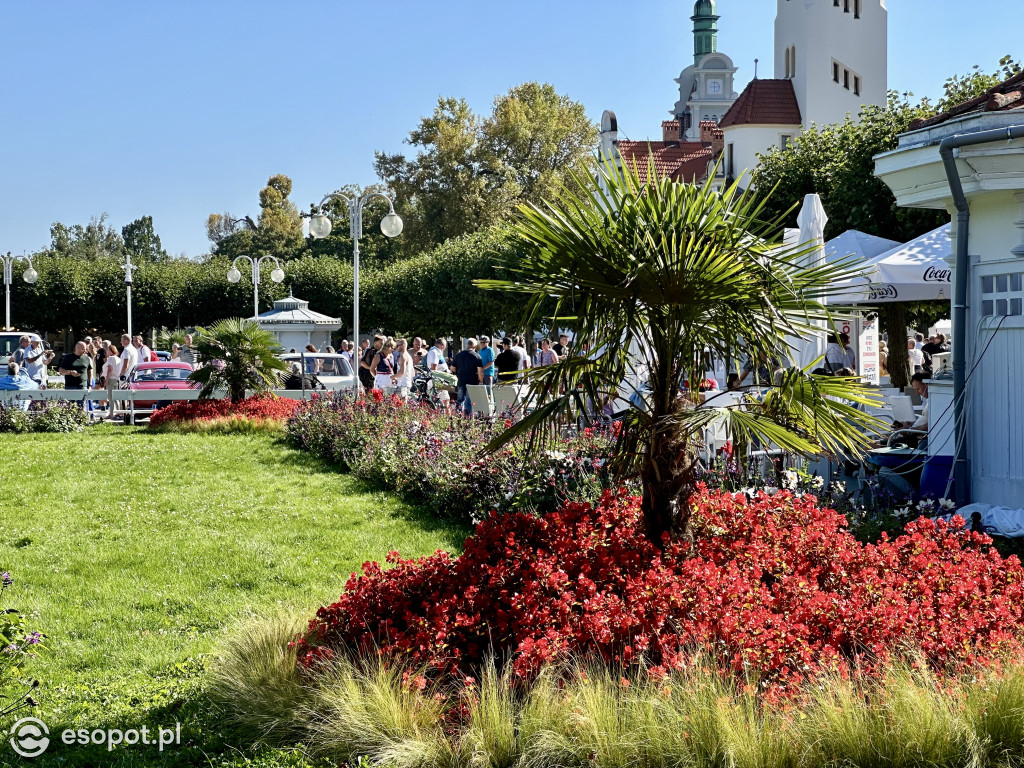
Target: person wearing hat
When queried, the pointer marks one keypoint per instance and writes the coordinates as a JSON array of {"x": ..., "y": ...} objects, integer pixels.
[
  {"x": 508, "y": 362},
  {"x": 486, "y": 352}
]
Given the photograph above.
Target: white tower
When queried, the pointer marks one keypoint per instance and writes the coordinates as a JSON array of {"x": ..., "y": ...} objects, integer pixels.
[{"x": 834, "y": 52}]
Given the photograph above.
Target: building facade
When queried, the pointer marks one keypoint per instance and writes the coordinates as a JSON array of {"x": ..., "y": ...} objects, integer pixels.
[{"x": 830, "y": 61}]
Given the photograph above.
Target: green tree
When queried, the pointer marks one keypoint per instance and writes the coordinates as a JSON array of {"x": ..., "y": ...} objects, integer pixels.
[
  {"x": 961, "y": 88},
  {"x": 434, "y": 294},
  {"x": 95, "y": 240},
  {"x": 278, "y": 230},
  {"x": 470, "y": 172},
  {"x": 238, "y": 355},
  {"x": 666, "y": 278},
  {"x": 141, "y": 241}
]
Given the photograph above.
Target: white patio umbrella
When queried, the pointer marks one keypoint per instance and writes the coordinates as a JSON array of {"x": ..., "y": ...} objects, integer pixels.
[
  {"x": 812, "y": 220},
  {"x": 856, "y": 245},
  {"x": 914, "y": 271}
]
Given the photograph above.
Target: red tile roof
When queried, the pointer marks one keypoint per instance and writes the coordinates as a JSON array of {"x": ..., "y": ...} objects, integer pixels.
[
  {"x": 1007, "y": 96},
  {"x": 764, "y": 102},
  {"x": 681, "y": 161}
]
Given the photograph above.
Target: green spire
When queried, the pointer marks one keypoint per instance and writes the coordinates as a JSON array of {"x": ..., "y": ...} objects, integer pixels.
[{"x": 705, "y": 29}]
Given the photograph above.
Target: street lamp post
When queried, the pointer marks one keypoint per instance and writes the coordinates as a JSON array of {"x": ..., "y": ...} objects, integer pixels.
[
  {"x": 128, "y": 268},
  {"x": 234, "y": 275},
  {"x": 29, "y": 276},
  {"x": 320, "y": 227}
]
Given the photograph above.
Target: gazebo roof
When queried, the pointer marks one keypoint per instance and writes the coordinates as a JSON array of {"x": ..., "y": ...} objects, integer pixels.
[{"x": 295, "y": 311}]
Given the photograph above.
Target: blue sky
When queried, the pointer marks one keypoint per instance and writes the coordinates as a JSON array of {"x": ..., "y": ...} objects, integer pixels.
[{"x": 181, "y": 108}]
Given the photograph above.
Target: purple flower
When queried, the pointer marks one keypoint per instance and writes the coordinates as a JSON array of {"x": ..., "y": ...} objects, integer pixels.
[
  {"x": 34, "y": 638},
  {"x": 7, "y": 580}
]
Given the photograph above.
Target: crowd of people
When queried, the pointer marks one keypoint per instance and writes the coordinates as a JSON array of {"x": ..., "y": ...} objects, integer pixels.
[{"x": 93, "y": 364}]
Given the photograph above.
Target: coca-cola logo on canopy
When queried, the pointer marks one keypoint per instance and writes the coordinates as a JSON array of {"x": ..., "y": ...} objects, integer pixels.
[
  {"x": 883, "y": 292},
  {"x": 936, "y": 275}
]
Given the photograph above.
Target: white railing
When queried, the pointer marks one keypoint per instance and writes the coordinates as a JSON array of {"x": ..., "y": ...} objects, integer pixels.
[{"x": 125, "y": 399}]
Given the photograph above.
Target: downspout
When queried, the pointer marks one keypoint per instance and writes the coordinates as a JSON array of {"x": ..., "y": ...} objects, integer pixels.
[{"x": 961, "y": 462}]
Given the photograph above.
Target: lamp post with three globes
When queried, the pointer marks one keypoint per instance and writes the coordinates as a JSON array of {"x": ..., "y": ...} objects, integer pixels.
[{"x": 320, "y": 227}]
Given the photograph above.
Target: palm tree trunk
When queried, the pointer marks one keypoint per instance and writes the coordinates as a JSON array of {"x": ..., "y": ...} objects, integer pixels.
[
  {"x": 667, "y": 480},
  {"x": 899, "y": 362}
]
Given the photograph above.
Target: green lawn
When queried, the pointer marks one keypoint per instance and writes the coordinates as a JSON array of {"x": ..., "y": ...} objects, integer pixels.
[{"x": 135, "y": 552}]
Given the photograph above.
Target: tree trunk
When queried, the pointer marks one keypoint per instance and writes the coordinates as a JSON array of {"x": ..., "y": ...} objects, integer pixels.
[
  {"x": 667, "y": 481},
  {"x": 896, "y": 326}
]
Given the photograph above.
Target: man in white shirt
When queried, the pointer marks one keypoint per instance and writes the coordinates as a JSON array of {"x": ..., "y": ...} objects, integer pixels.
[
  {"x": 129, "y": 357},
  {"x": 524, "y": 357},
  {"x": 186, "y": 354},
  {"x": 435, "y": 357},
  {"x": 915, "y": 355},
  {"x": 36, "y": 360},
  {"x": 143, "y": 351}
]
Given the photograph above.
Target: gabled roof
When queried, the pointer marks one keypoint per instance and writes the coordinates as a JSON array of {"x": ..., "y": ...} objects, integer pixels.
[
  {"x": 764, "y": 102},
  {"x": 1007, "y": 96},
  {"x": 677, "y": 160}
]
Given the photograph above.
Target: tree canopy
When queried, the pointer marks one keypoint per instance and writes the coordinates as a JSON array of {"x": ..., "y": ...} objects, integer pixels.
[{"x": 471, "y": 172}]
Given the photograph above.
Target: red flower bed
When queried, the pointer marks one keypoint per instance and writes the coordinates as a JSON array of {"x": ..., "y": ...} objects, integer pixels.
[
  {"x": 774, "y": 586},
  {"x": 255, "y": 407}
]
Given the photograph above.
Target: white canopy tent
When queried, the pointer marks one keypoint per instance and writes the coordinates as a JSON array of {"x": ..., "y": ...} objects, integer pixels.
[{"x": 914, "y": 271}]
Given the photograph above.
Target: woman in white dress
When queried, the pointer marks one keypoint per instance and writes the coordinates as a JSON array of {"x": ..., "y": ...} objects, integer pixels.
[
  {"x": 383, "y": 367},
  {"x": 111, "y": 376}
]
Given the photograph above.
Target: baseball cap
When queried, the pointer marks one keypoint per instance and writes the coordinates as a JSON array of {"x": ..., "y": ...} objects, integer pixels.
[{"x": 484, "y": 337}]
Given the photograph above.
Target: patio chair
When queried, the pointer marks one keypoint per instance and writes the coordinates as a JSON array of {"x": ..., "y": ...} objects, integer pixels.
[
  {"x": 480, "y": 400},
  {"x": 506, "y": 398}
]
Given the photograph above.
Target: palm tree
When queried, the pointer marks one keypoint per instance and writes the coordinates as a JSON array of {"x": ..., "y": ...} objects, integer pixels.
[
  {"x": 659, "y": 281},
  {"x": 237, "y": 355}
]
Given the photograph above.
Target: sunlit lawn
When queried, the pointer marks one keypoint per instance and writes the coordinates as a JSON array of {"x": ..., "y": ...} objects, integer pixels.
[{"x": 135, "y": 552}]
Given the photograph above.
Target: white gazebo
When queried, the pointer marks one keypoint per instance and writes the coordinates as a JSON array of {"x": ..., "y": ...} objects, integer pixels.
[{"x": 296, "y": 325}]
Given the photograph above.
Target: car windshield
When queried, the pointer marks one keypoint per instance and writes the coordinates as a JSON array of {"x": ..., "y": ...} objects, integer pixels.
[
  {"x": 162, "y": 374},
  {"x": 8, "y": 343}
]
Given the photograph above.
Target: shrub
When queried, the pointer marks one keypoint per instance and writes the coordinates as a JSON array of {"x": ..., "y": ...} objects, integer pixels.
[
  {"x": 437, "y": 458},
  {"x": 774, "y": 589},
  {"x": 44, "y": 416},
  {"x": 245, "y": 415}
]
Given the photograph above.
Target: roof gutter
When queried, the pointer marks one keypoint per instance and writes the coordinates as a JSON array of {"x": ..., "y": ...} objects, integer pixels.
[{"x": 947, "y": 147}]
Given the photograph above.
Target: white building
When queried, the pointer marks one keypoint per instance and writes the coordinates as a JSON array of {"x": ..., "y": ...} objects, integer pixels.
[
  {"x": 991, "y": 174},
  {"x": 296, "y": 325},
  {"x": 830, "y": 61}
]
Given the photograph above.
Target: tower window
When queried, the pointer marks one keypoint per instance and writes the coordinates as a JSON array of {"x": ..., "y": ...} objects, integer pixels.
[
  {"x": 785, "y": 140},
  {"x": 835, "y": 3},
  {"x": 846, "y": 79},
  {"x": 856, "y": 9},
  {"x": 856, "y": 84},
  {"x": 846, "y": 6},
  {"x": 787, "y": 63},
  {"x": 732, "y": 156},
  {"x": 835, "y": 71},
  {"x": 792, "y": 60}
]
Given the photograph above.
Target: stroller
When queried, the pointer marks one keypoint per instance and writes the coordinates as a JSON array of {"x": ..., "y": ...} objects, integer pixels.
[{"x": 431, "y": 387}]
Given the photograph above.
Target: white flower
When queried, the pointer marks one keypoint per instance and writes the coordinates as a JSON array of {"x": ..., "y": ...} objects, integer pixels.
[
  {"x": 789, "y": 479},
  {"x": 925, "y": 505},
  {"x": 817, "y": 482},
  {"x": 947, "y": 504},
  {"x": 904, "y": 512}
]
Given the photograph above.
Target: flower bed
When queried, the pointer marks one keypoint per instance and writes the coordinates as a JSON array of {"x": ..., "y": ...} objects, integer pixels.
[
  {"x": 252, "y": 413},
  {"x": 436, "y": 458},
  {"x": 774, "y": 589}
]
